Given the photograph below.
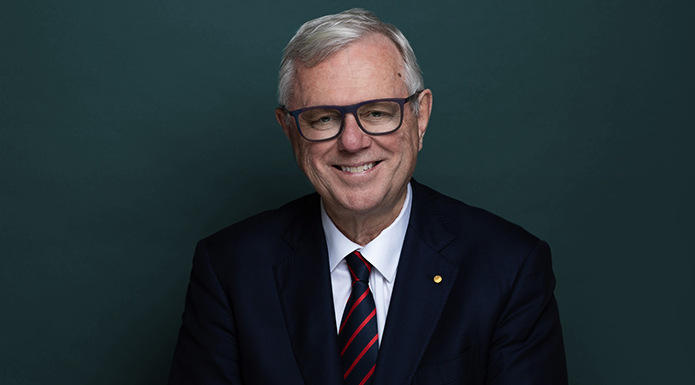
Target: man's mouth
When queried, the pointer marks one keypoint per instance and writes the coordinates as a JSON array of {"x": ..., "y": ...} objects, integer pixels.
[{"x": 357, "y": 169}]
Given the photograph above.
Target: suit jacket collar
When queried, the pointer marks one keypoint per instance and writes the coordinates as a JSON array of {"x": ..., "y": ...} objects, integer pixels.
[
  {"x": 304, "y": 288},
  {"x": 417, "y": 301}
]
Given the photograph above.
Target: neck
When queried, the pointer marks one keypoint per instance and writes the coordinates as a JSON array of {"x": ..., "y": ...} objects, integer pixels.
[{"x": 362, "y": 228}]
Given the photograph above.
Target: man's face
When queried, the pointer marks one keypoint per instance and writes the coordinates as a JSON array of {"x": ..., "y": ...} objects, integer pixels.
[{"x": 356, "y": 173}]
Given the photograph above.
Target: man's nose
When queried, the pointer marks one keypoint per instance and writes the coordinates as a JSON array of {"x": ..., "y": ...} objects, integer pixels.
[{"x": 352, "y": 138}]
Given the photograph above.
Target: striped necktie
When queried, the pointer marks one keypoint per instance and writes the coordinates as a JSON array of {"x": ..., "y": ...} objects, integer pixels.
[{"x": 358, "y": 335}]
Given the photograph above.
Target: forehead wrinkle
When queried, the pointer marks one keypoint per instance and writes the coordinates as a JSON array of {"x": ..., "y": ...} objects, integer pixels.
[
  {"x": 348, "y": 68},
  {"x": 365, "y": 67}
]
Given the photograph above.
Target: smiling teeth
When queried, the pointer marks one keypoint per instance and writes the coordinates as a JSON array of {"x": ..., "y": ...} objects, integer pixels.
[{"x": 357, "y": 169}]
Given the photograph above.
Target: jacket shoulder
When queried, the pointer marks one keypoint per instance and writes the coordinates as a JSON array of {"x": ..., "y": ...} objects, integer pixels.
[
  {"x": 478, "y": 227},
  {"x": 264, "y": 231}
]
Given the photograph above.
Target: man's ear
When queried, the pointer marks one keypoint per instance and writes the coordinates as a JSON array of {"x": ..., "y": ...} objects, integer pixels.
[
  {"x": 423, "y": 118},
  {"x": 281, "y": 117}
]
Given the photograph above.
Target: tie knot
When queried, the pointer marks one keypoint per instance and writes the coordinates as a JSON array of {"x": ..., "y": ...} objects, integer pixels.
[{"x": 359, "y": 267}]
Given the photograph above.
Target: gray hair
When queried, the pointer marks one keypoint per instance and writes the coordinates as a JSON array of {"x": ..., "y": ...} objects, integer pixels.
[{"x": 319, "y": 39}]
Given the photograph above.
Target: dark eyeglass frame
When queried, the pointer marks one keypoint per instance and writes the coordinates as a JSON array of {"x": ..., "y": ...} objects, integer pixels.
[{"x": 344, "y": 110}]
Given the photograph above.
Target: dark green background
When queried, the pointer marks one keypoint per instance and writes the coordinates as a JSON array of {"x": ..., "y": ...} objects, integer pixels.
[{"x": 130, "y": 129}]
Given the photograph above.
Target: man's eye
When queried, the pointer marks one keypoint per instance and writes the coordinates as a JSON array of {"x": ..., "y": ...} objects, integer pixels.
[
  {"x": 323, "y": 121},
  {"x": 375, "y": 114},
  {"x": 320, "y": 117}
]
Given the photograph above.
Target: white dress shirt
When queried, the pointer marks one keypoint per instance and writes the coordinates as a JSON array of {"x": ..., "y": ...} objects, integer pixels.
[{"x": 383, "y": 252}]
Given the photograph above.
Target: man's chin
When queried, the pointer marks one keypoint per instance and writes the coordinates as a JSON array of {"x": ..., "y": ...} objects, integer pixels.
[{"x": 361, "y": 202}]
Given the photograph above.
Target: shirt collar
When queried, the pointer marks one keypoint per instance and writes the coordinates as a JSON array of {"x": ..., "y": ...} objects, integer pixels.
[{"x": 383, "y": 252}]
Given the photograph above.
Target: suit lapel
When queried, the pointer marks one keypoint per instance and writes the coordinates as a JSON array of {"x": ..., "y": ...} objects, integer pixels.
[
  {"x": 417, "y": 301},
  {"x": 304, "y": 289}
]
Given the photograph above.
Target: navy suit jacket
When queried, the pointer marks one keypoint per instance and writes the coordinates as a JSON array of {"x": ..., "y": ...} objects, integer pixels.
[{"x": 259, "y": 308}]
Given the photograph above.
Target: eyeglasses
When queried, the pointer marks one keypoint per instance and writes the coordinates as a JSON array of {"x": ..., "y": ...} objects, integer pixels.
[{"x": 375, "y": 117}]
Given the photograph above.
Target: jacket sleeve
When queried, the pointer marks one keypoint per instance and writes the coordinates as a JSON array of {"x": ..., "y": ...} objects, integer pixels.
[
  {"x": 527, "y": 345},
  {"x": 206, "y": 352}
]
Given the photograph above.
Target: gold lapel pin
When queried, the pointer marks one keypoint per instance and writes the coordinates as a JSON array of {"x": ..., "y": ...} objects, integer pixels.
[{"x": 437, "y": 279}]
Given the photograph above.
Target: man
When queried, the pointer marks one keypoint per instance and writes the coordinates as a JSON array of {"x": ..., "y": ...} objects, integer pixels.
[{"x": 375, "y": 279}]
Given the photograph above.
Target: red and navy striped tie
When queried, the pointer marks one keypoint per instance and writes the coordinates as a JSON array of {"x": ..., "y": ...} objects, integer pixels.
[{"x": 358, "y": 336}]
